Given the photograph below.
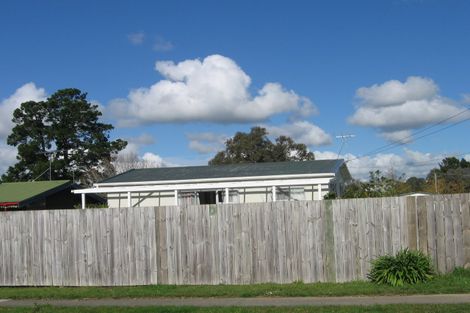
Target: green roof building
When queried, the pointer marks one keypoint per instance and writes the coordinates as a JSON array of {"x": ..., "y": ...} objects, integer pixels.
[{"x": 55, "y": 194}]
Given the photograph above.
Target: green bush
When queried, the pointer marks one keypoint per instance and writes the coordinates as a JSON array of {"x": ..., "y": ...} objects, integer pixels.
[{"x": 406, "y": 267}]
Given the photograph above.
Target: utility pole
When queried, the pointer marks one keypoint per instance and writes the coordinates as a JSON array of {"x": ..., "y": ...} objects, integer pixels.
[
  {"x": 435, "y": 181},
  {"x": 343, "y": 138}
]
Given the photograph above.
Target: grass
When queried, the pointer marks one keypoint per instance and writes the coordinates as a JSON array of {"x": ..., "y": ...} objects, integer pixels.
[
  {"x": 447, "y": 308},
  {"x": 455, "y": 282}
]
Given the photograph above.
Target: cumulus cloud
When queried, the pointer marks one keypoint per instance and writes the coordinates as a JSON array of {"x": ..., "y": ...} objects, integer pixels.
[
  {"x": 27, "y": 92},
  {"x": 215, "y": 90},
  {"x": 206, "y": 142},
  {"x": 134, "y": 144},
  {"x": 136, "y": 38},
  {"x": 399, "y": 136},
  {"x": 7, "y": 157},
  {"x": 143, "y": 139},
  {"x": 396, "y": 108},
  {"x": 131, "y": 158},
  {"x": 154, "y": 159},
  {"x": 302, "y": 132},
  {"x": 411, "y": 163},
  {"x": 394, "y": 92}
]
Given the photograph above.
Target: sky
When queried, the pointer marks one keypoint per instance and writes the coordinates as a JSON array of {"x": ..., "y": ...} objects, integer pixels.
[{"x": 177, "y": 78}]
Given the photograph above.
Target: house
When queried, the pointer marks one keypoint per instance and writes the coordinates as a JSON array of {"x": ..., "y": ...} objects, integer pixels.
[
  {"x": 233, "y": 183},
  {"x": 54, "y": 194}
]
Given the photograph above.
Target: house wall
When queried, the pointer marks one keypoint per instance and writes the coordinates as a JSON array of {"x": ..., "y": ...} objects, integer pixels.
[
  {"x": 245, "y": 195},
  {"x": 142, "y": 199}
]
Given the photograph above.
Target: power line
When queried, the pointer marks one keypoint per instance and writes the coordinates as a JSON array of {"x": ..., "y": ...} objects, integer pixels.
[
  {"x": 422, "y": 163},
  {"x": 404, "y": 139},
  {"x": 397, "y": 144}
]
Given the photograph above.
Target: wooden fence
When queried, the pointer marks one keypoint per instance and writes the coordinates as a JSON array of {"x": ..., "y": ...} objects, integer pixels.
[{"x": 281, "y": 242}]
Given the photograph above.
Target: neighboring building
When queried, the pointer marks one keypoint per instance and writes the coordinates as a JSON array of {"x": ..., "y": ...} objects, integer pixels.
[
  {"x": 39, "y": 195},
  {"x": 234, "y": 183}
]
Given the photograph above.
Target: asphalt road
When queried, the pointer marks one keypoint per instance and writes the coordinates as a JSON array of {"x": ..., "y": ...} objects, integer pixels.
[{"x": 246, "y": 302}]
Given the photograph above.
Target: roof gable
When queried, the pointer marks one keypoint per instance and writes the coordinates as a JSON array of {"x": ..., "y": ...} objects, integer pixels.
[{"x": 227, "y": 171}]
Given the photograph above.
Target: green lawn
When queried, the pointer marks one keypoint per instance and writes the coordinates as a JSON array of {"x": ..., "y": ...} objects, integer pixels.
[
  {"x": 456, "y": 282},
  {"x": 448, "y": 308}
]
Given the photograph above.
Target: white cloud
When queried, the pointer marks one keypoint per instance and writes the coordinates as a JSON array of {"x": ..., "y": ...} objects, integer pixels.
[
  {"x": 154, "y": 159},
  {"x": 162, "y": 45},
  {"x": 419, "y": 157},
  {"x": 302, "y": 132},
  {"x": 134, "y": 144},
  {"x": 27, "y": 92},
  {"x": 399, "y": 136},
  {"x": 412, "y": 163},
  {"x": 143, "y": 139},
  {"x": 206, "y": 142},
  {"x": 394, "y": 92},
  {"x": 408, "y": 115},
  {"x": 215, "y": 90},
  {"x": 7, "y": 157},
  {"x": 131, "y": 158},
  {"x": 136, "y": 38},
  {"x": 396, "y": 108}
]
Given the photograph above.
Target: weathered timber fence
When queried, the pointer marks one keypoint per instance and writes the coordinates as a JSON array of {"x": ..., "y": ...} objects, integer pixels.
[{"x": 231, "y": 243}]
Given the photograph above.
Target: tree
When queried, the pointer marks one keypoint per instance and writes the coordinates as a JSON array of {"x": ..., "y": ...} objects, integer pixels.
[
  {"x": 64, "y": 130},
  {"x": 379, "y": 185},
  {"x": 415, "y": 184},
  {"x": 447, "y": 164},
  {"x": 452, "y": 176},
  {"x": 255, "y": 146}
]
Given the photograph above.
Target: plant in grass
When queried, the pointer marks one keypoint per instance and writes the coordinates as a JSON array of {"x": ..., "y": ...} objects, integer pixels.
[{"x": 406, "y": 267}]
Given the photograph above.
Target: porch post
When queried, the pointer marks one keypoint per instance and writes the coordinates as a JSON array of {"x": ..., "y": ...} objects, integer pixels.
[
  {"x": 226, "y": 196},
  {"x": 176, "y": 196},
  {"x": 129, "y": 200},
  {"x": 319, "y": 197},
  {"x": 274, "y": 193},
  {"x": 83, "y": 201}
]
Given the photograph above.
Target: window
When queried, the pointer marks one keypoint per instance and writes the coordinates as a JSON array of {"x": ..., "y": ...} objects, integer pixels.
[
  {"x": 290, "y": 193},
  {"x": 207, "y": 197},
  {"x": 188, "y": 198},
  {"x": 233, "y": 196}
]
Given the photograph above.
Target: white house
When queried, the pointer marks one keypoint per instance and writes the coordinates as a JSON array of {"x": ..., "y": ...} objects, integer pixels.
[{"x": 233, "y": 183}]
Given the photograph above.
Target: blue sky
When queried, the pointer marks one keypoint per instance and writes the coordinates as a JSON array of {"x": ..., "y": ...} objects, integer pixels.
[{"x": 176, "y": 78}]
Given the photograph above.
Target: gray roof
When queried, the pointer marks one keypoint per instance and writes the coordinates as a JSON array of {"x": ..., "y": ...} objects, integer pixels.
[{"x": 226, "y": 171}]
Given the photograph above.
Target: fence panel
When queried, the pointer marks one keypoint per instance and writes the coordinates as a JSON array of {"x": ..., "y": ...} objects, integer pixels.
[{"x": 310, "y": 241}]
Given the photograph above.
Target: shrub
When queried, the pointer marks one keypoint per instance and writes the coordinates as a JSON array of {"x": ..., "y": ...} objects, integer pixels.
[{"x": 406, "y": 267}]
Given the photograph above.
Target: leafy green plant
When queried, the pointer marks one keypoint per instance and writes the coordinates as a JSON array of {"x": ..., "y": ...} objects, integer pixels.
[{"x": 406, "y": 267}]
